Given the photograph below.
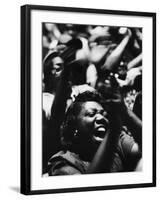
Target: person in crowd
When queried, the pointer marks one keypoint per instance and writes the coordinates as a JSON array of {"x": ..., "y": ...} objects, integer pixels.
[
  {"x": 55, "y": 101},
  {"x": 53, "y": 66},
  {"x": 93, "y": 138},
  {"x": 93, "y": 59}
]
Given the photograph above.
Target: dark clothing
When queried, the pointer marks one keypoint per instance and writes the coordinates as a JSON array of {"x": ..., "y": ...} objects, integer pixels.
[{"x": 69, "y": 163}]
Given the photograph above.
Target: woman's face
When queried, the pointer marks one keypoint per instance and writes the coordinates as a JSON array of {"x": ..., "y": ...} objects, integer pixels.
[
  {"x": 92, "y": 122},
  {"x": 57, "y": 67},
  {"x": 55, "y": 72}
]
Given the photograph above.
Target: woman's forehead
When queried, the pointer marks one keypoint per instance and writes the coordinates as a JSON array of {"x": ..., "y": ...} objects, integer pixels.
[{"x": 91, "y": 105}]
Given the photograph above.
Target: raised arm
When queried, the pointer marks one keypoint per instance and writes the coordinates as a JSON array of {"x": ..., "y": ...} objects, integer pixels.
[
  {"x": 114, "y": 58},
  {"x": 135, "y": 62},
  {"x": 52, "y": 137},
  {"x": 63, "y": 88},
  {"x": 103, "y": 158}
]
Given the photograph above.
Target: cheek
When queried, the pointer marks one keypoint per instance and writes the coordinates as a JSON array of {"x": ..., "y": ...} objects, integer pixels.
[
  {"x": 53, "y": 72},
  {"x": 86, "y": 125}
]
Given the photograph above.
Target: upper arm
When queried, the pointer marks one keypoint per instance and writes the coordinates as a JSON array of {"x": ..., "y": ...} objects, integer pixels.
[
  {"x": 135, "y": 150},
  {"x": 131, "y": 152},
  {"x": 129, "y": 146}
]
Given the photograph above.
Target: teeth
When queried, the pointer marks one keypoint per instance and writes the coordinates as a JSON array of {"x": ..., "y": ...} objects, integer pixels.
[
  {"x": 100, "y": 133},
  {"x": 101, "y": 129}
]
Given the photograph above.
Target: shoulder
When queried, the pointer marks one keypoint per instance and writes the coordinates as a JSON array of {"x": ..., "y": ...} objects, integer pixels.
[
  {"x": 66, "y": 163},
  {"x": 128, "y": 145},
  {"x": 129, "y": 150}
]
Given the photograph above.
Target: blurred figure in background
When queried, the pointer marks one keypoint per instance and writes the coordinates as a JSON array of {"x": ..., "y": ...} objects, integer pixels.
[{"x": 80, "y": 58}]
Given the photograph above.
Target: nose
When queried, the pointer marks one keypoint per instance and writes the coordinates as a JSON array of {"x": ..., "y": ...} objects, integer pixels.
[
  {"x": 100, "y": 119},
  {"x": 99, "y": 116}
]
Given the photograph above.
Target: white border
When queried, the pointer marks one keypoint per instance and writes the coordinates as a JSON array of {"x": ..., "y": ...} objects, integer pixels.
[{"x": 41, "y": 183}]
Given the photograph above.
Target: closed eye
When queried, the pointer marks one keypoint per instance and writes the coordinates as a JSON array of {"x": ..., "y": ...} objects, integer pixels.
[
  {"x": 90, "y": 113},
  {"x": 94, "y": 112}
]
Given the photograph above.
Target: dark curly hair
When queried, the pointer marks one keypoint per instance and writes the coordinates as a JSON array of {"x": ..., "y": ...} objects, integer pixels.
[
  {"x": 47, "y": 68},
  {"x": 70, "y": 121}
]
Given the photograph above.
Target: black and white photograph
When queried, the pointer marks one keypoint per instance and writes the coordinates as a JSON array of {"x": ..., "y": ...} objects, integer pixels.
[
  {"x": 80, "y": 100},
  {"x": 88, "y": 88},
  {"x": 92, "y": 99}
]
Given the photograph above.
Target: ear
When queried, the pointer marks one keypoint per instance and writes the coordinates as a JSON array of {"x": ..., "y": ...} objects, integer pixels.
[{"x": 76, "y": 136}]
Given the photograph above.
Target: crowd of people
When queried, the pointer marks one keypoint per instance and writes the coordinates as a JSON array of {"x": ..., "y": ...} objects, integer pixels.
[{"x": 92, "y": 99}]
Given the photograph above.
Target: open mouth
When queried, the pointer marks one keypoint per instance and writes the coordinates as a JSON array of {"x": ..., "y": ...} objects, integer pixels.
[{"x": 100, "y": 133}]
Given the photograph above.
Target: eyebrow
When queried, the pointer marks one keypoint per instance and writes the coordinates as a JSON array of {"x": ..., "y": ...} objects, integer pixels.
[{"x": 95, "y": 109}]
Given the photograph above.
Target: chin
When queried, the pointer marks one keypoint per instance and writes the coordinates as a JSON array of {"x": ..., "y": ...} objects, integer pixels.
[{"x": 97, "y": 139}]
